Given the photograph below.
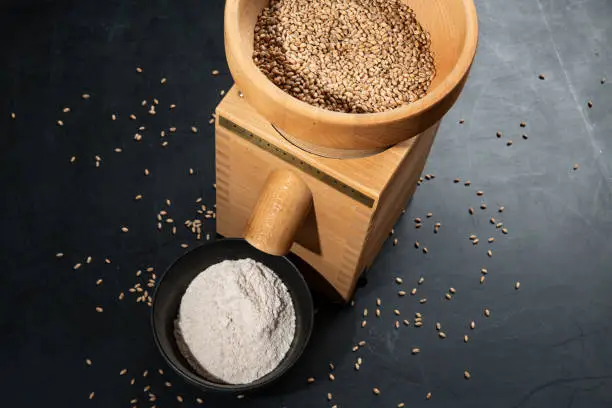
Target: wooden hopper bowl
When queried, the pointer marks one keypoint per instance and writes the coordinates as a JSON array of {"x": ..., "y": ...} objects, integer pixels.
[{"x": 453, "y": 26}]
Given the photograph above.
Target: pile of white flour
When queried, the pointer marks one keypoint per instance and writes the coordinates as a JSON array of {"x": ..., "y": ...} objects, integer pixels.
[{"x": 236, "y": 321}]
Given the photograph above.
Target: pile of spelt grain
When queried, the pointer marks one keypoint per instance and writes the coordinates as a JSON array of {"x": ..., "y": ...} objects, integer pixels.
[{"x": 356, "y": 56}]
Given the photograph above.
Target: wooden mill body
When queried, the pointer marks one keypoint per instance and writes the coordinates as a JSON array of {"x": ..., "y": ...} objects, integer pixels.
[{"x": 355, "y": 202}]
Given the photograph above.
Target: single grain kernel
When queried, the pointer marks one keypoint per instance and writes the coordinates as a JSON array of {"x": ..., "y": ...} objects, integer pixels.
[
  {"x": 99, "y": 309},
  {"x": 491, "y": 239},
  {"x": 517, "y": 285},
  {"x": 428, "y": 396},
  {"x": 472, "y": 325},
  {"x": 489, "y": 253},
  {"x": 467, "y": 375},
  {"x": 465, "y": 338},
  {"x": 399, "y": 280},
  {"x": 487, "y": 312},
  {"x": 416, "y": 350},
  {"x": 376, "y": 391},
  {"x": 442, "y": 335}
]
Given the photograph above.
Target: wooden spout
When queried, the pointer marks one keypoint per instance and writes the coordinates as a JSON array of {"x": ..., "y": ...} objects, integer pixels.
[{"x": 282, "y": 206}]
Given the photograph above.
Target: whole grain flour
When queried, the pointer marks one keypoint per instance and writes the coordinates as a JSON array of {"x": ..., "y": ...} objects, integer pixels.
[{"x": 236, "y": 321}]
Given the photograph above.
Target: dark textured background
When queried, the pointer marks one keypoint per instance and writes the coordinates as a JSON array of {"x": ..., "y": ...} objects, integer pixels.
[{"x": 547, "y": 344}]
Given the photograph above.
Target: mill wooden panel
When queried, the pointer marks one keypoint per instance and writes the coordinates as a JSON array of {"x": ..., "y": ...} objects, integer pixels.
[{"x": 342, "y": 234}]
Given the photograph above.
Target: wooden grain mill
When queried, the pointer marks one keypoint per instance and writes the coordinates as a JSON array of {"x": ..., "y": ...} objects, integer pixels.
[{"x": 324, "y": 185}]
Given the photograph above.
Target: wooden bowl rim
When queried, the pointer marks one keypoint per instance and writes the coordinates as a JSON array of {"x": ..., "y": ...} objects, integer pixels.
[{"x": 248, "y": 67}]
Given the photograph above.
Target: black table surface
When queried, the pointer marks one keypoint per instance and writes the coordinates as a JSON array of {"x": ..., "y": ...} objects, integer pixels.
[{"x": 545, "y": 344}]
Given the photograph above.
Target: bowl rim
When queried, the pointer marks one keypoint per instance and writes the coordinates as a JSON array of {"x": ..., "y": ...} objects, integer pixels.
[
  {"x": 414, "y": 109},
  {"x": 198, "y": 381}
]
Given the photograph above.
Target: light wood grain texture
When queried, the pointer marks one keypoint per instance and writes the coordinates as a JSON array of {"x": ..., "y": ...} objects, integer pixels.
[
  {"x": 453, "y": 26},
  {"x": 339, "y": 236},
  {"x": 283, "y": 204}
]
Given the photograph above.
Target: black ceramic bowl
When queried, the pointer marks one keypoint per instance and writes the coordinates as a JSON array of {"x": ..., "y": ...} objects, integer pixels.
[{"x": 177, "y": 278}]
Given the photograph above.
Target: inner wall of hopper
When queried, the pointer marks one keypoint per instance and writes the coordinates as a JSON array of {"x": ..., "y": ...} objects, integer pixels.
[{"x": 436, "y": 16}]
